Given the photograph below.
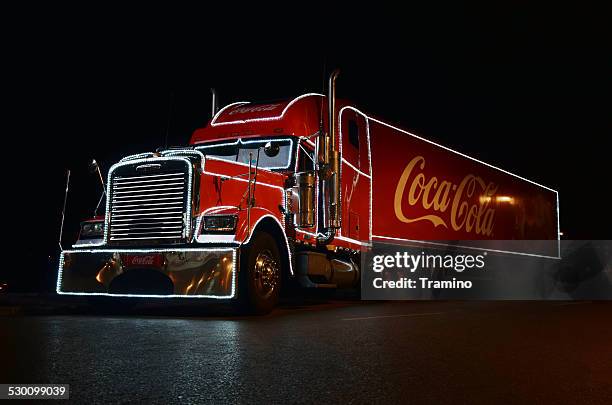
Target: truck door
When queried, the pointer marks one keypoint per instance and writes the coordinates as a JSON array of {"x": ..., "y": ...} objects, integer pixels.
[
  {"x": 355, "y": 175},
  {"x": 306, "y": 163}
]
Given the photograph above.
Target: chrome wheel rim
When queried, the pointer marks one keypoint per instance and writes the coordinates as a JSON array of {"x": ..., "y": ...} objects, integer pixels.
[{"x": 266, "y": 273}]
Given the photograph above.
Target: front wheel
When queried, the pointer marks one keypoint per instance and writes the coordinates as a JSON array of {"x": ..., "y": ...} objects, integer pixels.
[{"x": 260, "y": 274}]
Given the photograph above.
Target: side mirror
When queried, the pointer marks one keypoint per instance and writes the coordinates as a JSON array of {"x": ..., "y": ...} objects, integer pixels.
[{"x": 271, "y": 149}]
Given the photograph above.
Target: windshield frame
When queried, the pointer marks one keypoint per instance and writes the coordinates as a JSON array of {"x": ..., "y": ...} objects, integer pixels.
[{"x": 291, "y": 139}]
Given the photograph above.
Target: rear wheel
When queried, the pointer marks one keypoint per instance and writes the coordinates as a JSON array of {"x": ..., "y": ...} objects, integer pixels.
[{"x": 260, "y": 274}]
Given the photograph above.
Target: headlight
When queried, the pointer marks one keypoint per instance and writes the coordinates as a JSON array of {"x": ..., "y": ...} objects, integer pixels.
[
  {"x": 92, "y": 230},
  {"x": 219, "y": 223}
]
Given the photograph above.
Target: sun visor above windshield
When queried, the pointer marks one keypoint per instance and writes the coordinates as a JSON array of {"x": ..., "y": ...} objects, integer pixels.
[{"x": 299, "y": 117}]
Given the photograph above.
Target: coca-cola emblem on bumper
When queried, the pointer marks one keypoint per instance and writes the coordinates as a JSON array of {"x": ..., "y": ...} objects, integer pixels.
[{"x": 142, "y": 260}]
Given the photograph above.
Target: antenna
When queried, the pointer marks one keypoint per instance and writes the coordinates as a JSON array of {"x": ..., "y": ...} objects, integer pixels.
[
  {"x": 64, "y": 210},
  {"x": 170, "y": 104},
  {"x": 215, "y": 103},
  {"x": 255, "y": 176},
  {"x": 94, "y": 166}
]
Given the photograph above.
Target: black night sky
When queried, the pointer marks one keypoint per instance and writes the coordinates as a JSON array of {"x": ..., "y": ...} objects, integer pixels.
[{"x": 525, "y": 89}]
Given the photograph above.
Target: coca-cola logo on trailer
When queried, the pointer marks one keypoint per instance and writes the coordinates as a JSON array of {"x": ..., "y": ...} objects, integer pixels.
[{"x": 464, "y": 206}]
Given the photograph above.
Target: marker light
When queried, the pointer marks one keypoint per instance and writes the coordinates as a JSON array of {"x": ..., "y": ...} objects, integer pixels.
[{"x": 504, "y": 198}]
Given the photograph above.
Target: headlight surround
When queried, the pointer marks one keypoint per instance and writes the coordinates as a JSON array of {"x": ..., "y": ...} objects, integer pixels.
[
  {"x": 219, "y": 224},
  {"x": 90, "y": 230}
]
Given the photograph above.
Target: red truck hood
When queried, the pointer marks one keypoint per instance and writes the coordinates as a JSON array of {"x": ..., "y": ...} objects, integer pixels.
[{"x": 224, "y": 183}]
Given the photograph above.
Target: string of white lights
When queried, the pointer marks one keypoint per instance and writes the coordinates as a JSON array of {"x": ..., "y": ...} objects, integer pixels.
[{"x": 232, "y": 294}]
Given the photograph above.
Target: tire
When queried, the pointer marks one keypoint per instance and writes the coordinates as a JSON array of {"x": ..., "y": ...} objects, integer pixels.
[{"x": 260, "y": 275}]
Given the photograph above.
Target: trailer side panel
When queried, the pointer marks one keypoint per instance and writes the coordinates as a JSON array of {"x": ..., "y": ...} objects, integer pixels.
[{"x": 424, "y": 191}]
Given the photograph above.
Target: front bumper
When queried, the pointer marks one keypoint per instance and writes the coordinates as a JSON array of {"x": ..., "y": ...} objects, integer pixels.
[{"x": 191, "y": 272}]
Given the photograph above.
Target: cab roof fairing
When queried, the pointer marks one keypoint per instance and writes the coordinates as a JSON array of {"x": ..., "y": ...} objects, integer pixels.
[{"x": 298, "y": 117}]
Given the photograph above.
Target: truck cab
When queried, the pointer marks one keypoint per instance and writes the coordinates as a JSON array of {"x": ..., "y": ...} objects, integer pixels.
[{"x": 247, "y": 206}]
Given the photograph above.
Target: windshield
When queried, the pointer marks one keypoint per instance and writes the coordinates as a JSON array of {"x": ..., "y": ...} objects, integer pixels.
[{"x": 240, "y": 150}]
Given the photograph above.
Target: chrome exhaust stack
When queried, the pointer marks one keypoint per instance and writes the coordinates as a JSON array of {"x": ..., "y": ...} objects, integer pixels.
[{"x": 332, "y": 159}]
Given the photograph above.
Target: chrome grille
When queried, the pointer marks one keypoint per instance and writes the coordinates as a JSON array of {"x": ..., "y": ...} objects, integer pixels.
[{"x": 148, "y": 207}]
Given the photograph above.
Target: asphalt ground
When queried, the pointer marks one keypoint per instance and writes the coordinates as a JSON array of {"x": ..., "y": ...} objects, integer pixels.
[{"x": 317, "y": 350}]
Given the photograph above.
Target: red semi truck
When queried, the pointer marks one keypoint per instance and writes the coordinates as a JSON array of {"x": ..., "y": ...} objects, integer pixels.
[{"x": 292, "y": 190}]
